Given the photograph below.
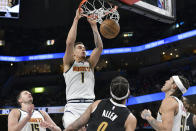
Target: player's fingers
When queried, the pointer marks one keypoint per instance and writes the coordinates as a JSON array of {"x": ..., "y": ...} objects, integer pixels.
[{"x": 84, "y": 15}]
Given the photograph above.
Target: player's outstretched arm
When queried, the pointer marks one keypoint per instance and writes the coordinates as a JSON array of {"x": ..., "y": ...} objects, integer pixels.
[
  {"x": 83, "y": 119},
  {"x": 71, "y": 38},
  {"x": 14, "y": 124},
  {"x": 94, "y": 58},
  {"x": 131, "y": 122},
  {"x": 49, "y": 123},
  {"x": 167, "y": 108}
]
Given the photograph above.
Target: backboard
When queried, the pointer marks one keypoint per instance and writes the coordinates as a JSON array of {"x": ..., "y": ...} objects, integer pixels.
[
  {"x": 161, "y": 10},
  {"x": 9, "y": 8}
]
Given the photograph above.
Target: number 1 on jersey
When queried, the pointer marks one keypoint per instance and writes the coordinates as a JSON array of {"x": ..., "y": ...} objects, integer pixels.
[{"x": 82, "y": 73}]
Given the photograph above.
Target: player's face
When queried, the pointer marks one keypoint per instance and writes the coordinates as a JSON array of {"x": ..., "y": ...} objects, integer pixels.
[
  {"x": 168, "y": 85},
  {"x": 80, "y": 51},
  {"x": 26, "y": 97}
]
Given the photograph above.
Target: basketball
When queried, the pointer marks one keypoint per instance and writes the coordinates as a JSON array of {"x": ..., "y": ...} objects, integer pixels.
[{"x": 109, "y": 28}]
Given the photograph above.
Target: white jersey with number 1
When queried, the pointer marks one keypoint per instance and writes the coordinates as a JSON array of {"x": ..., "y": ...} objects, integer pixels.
[{"x": 79, "y": 81}]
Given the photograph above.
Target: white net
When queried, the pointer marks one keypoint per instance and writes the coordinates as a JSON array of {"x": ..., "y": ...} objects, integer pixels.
[{"x": 100, "y": 10}]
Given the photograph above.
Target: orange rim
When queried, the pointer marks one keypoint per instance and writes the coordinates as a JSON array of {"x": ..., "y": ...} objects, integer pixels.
[{"x": 82, "y": 2}]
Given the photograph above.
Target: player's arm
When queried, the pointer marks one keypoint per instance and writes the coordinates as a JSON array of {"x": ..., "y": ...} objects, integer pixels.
[
  {"x": 194, "y": 121},
  {"x": 94, "y": 58},
  {"x": 167, "y": 108},
  {"x": 13, "y": 123},
  {"x": 49, "y": 123},
  {"x": 131, "y": 122},
  {"x": 83, "y": 119},
  {"x": 71, "y": 38}
]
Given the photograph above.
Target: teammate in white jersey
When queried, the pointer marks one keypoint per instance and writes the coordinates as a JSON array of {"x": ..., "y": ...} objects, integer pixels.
[
  {"x": 79, "y": 72},
  {"x": 28, "y": 119},
  {"x": 172, "y": 114}
]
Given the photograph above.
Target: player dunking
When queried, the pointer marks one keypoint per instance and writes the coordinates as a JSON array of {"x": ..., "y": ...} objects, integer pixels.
[
  {"x": 79, "y": 72},
  {"x": 109, "y": 114},
  {"x": 172, "y": 114},
  {"x": 28, "y": 119}
]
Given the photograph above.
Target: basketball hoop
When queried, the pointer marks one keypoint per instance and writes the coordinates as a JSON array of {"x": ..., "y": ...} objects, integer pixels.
[{"x": 99, "y": 10}]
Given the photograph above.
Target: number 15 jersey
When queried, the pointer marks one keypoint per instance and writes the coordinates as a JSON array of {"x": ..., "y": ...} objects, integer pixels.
[
  {"x": 79, "y": 81},
  {"x": 34, "y": 123}
]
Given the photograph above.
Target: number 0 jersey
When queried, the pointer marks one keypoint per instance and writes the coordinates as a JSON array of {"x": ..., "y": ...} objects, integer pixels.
[
  {"x": 179, "y": 122},
  {"x": 34, "y": 123},
  {"x": 79, "y": 81},
  {"x": 108, "y": 116}
]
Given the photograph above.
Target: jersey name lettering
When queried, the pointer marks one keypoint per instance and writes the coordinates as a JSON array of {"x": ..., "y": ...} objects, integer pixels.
[
  {"x": 35, "y": 120},
  {"x": 82, "y": 68},
  {"x": 109, "y": 114}
]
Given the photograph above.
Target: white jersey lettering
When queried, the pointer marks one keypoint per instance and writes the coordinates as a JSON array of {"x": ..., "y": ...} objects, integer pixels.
[
  {"x": 79, "y": 81},
  {"x": 34, "y": 123},
  {"x": 108, "y": 114}
]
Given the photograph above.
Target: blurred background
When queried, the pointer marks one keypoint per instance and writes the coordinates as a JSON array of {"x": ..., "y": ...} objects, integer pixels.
[{"x": 35, "y": 27}]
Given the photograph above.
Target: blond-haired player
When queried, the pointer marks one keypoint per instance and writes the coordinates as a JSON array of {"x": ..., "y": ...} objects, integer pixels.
[{"x": 172, "y": 113}]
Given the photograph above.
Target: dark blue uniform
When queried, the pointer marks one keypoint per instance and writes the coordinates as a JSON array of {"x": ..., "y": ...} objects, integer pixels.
[
  {"x": 189, "y": 124},
  {"x": 108, "y": 116}
]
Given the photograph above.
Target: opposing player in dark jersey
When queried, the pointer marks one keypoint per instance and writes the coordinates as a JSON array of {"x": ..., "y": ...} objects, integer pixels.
[
  {"x": 109, "y": 114},
  {"x": 191, "y": 117},
  {"x": 28, "y": 119}
]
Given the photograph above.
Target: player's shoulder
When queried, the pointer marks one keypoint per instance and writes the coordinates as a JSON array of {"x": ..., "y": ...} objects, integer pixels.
[
  {"x": 170, "y": 102},
  {"x": 67, "y": 67},
  {"x": 170, "y": 99},
  {"x": 15, "y": 112},
  {"x": 131, "y": 119},
  {"x": 96, "y": 102}
]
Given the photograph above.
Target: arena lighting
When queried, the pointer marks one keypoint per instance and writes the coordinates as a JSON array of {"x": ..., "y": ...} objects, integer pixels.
[
  {"x": 177, "y": 25},
  {"x": 2, "y": 42},
  {"x": 132, "y": 101},
  {"x": 194, "y": 51},
  {"x": 182, "y": 23},
  {"x": 127, "y": 34},
  {"x": 38, "y": 89},
  {"x": 50, "y": 42},
  {"x": 105, "y": 51}
]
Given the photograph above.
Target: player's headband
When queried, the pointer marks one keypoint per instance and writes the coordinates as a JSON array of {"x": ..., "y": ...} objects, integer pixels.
[
  {"x": 179, "y": 84},
  {"x": 119, "y": 98}
]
